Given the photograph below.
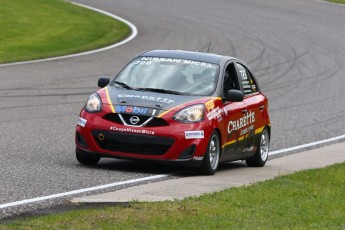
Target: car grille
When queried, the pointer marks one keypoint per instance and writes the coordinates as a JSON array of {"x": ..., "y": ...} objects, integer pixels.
[
  {"x": 132, "y": 143},
  {"x": 154, "y": 122}
]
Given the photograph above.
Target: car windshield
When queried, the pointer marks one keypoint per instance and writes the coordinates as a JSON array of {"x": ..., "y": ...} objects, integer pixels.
[{"x": 169, "y": 75}]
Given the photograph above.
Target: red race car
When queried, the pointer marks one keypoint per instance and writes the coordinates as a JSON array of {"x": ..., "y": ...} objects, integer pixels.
[{"x": 171, "y": 106}]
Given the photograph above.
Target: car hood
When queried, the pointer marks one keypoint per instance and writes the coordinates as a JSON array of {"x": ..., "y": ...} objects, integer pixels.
[{"x": 122, "y": 98}]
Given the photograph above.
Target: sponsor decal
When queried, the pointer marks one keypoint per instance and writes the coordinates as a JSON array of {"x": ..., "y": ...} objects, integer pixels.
[
  {"x": 247, "y": 130},
  {"x": 150, "y": 60},
  {"x": 215, "y": 113},
  {"x": 246, "y": 120},
  {"x": 199, "y": 134},
  {"x": 161, "y": 59},
  {"x": 203, "y": 64},
  {"x": 243, "y": 73},
  {"x": 147, "y": 98},
  {"x": 131, "y": 110},
  {"x": 131, "y": 130},
  {"x": 81, "y": 122},
  {"x": 198, "y": 158}
]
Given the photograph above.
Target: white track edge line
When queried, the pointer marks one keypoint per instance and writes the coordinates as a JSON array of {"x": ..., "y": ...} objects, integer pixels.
[
  {"x": 307, "y": 145},
  {"x": 58, "y": 195},
  {"x": 131, "y": 37}
]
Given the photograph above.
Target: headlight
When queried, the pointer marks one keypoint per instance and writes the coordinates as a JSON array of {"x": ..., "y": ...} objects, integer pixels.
[
  {"x": 191, "y": 114},
  {"x": 94, "y": 104}
]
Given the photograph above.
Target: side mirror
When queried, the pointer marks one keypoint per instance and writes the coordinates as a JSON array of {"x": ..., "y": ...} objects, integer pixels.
[
  {"x": 103, "y": 82},
  {"x": 234, "y": 95}
]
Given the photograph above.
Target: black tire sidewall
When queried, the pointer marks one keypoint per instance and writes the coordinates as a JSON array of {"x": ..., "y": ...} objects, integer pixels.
[{"x": 86, "y": 160}]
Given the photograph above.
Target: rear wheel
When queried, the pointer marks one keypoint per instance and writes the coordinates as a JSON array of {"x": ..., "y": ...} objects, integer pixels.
[
  {"x": 211, "y": 159},
  {"x": 86, "y": 160},
  {"x": 261, "y": 155}
]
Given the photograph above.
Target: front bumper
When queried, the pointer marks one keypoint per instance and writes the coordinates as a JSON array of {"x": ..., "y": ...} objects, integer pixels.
[
  {"x": 178, "y": 162},
  {"x": 166, "y": 144}
]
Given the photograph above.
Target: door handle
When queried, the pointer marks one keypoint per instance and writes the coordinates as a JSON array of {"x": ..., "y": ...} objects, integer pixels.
[
  {"x": 262, "y": 107},
  {"x": 244, "y": 111}
]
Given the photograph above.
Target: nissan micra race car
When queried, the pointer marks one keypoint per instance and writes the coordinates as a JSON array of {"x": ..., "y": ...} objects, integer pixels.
[{"x": 171, "y": 106}]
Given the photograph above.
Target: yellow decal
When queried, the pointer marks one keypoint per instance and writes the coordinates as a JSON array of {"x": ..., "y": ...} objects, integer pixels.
[
  {"x": 257, "y": 131},
  {"x": 209, "y": 105},
  {"x": 109, "y": 101}
]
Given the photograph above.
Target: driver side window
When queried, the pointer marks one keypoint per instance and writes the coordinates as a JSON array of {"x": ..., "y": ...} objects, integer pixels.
[
  {"x": 230, "y": 78},
  {"x": 247, "y": 80}
]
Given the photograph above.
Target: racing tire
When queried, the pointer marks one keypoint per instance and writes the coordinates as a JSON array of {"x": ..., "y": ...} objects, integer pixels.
[
  {"x": 260, "y": 157},
  {"x": 86, "y": 160},
  {"x": 211, "y": 159}
]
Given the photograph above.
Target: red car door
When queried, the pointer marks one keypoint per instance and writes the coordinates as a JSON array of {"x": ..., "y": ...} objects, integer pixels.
[
  {"x": 235, "y": 116},
  {"x": 255, "y": 110}
]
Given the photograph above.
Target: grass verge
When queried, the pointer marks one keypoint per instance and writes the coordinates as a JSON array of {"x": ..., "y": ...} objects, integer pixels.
[
  {"x": 35, "y": 29},
  {"x": 312, "y": 199},
  {"x": 337, "y": 1}
]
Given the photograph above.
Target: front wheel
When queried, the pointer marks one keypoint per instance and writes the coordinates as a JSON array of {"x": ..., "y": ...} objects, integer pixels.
[
  {"x": 211, "y": 159},
  {"x": 261, "y": 155},
  {"x": 86, "y": 160}
]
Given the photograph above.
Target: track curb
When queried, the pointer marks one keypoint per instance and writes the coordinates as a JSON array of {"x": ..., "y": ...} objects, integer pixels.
[{"x": 230, "y": 175}]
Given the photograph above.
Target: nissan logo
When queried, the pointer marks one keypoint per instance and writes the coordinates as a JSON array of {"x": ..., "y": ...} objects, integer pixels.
[{"x": 134, "y": 120}]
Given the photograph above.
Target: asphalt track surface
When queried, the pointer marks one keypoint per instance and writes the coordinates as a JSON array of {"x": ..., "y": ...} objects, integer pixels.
[{"x": 296, "y": 49}]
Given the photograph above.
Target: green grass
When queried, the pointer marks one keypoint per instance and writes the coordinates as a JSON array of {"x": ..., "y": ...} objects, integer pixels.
[
  {"x": 337, "y": 1},
  {"x": 313, "y": 199},
  {"x": 35, "y": 29}
]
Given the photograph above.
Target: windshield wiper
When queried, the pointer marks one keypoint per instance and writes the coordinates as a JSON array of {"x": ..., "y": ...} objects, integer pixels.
[
  {"x": 123, "y": 85},
  {"x": 161, "y": 91}
]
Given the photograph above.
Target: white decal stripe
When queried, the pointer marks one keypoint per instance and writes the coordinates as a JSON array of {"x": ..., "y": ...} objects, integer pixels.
[
  {"x": 43, "y": 198},
  {"x": 132, "y": 36}
]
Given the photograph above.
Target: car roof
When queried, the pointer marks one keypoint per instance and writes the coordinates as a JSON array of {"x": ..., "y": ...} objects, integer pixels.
[{"x": 188, "y": 55}]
